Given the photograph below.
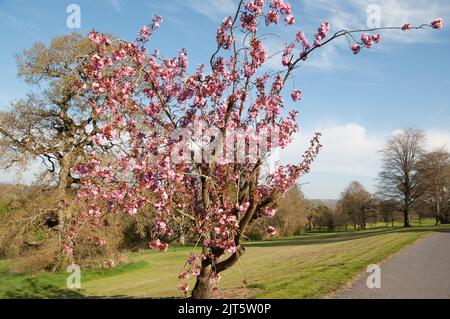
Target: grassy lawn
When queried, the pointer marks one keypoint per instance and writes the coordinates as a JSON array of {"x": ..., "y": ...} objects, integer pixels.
[{"x": 308, "y": 266}]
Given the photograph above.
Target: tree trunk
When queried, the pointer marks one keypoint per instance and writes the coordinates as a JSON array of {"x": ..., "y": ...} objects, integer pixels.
[
  {"x": 203, "y": 286},
  {"x": 182, "y": 239},
  {"x": 438, "y": 212},
  {"x": 406, "y": 222},
  {"x": 63, "y": 186}
]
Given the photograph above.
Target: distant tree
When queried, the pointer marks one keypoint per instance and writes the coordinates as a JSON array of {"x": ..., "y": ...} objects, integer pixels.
[
  {"x": 357, "y": 202},
  {"x": 291, "y": 217},
  {"x": 324, "y": 217},
  {"x": 398, "y": 179},
  {"x": 434, "y": 173},
  {"x": 387, "y": 210},
  {"x": 292, "y": 211}
]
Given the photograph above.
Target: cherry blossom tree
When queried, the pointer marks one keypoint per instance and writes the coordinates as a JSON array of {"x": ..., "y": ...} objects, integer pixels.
[{"x": 197, "y": 143}]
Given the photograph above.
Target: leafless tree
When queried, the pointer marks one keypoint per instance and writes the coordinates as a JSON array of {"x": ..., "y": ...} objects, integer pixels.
[
  {"x": 434, "y": 173},
  {"x": 398, "y": 179},
  {"x": 357, "y": 203}
]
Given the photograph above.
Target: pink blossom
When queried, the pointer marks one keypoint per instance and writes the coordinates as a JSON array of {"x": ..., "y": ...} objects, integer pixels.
[
  {"x": 296, "y": 95},
  {"x": 300, "y": 37},
  {"x": 109, "y": 133},
  {"x": 271, "y": 230},
  {"x": 376, "y": 38},
  {"x": 322, "y": 32},
  {"x": 287, "y": 55},
  {"x": 317, "y": 43},
  {"x": 249, "y": 21},
  {"x": 356, "y": 48},
  {"x": 268, "y": 212},
  {"x": 258, "y": 54},
  {"x": 284, "y": 7},
  {"x": 158, "y": 245},
  {"x": 438, "y": 23},
  {"x": 223, "y": 38},
  {"x": 255, "y": 6},
  {"x": 162, "y": 225},
  {"x": 367, "y": 40},
  {"x": 144, "y": 33},
  {"x": 289, "y": 19},
  {"x": 272, "y": 17},
  {"x": 183, "y": 287},
  {"x": 406, "y": 27}
]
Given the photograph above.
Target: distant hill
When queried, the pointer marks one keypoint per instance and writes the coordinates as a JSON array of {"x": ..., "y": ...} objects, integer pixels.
[{"x": 327, "y": 202}]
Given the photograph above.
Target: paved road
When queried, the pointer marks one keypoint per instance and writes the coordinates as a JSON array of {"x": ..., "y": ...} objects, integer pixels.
[{"x": 419, "y": 271}]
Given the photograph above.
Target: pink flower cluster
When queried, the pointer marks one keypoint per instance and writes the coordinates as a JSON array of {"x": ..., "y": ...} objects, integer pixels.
[
  {"x": 147, "y": 31},
  {"x": 407, "y": 26},
  {"x": 368, "y": 40},
  {"x": 296, "y": 95},
  {"x": 322, "y": 33},
  {"x": 286, "y": 60},
  {"x": 271, "y": 230},
  {"x": 300, "y": 37},
  {"x": 438, "y": 23},
  {"x": 158, "y": 245},
  {"x": 223, "y": 38},
  {"x": 279, "y": 7}
]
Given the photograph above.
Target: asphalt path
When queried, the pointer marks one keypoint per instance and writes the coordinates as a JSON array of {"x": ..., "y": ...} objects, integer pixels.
[{"x": 420, "y": 271}]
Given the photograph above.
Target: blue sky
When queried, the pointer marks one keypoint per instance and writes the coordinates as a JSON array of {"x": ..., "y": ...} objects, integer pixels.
[{"x": 356, "y": 101}]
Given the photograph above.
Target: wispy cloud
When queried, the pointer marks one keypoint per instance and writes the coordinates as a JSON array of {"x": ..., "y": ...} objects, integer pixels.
[
  {"x": 215, "y": 10},
  {"x": 350, "y": 152},
  {"x": 116, "y": 5},
  {"x": 351, "y": 14},
  {"x": 18, "y": 24}
]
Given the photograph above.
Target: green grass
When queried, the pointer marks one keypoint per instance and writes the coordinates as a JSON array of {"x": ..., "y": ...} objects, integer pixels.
[
  {"x": 307, "y": 266},
  {"x": 48, "y": 285}
]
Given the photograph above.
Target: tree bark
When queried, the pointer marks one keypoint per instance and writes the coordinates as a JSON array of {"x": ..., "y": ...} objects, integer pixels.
[
  {"x": 182, "y": 239},
  {"x": 63, "y": 185},
  {"x": 406, "y": 222},
  {"x": 203, "y": 285}
]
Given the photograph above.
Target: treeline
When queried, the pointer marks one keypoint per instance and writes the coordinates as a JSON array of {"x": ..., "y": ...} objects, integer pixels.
[{"x": 412, "y": 183}]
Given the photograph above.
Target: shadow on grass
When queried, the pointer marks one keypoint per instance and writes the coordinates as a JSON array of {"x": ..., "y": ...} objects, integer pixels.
[
  {"x": 341, "y": 237},
  {"x": 52, "y": 286},
  {"x": 35, "y": 290}
]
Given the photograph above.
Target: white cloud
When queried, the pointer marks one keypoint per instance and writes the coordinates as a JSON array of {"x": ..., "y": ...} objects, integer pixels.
[
  {"x": 437, "y": 140},
  {"x": 348, "y": 149},
  {"x": 352, "y": 14},
  {"x": 349, "y": 153}
]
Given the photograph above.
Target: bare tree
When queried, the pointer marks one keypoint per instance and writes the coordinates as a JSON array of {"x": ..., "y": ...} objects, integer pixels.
[
  {"x": 387, "y": 210},
  {"x": 357, "y": 203},
  {"x": 434, "y": 173},
  {"x": 398, "y": 179}
]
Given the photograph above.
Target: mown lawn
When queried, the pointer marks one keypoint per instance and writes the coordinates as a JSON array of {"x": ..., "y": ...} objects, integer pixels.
[{"x": 309, "y": 266}]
